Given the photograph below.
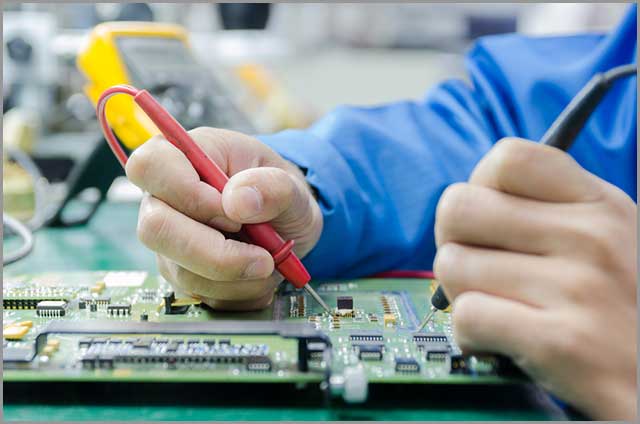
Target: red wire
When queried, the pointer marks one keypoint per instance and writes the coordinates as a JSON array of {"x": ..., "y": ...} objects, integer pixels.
[
  {"x": 116, "y": 148},
  {"x": 405, "y": 274}
]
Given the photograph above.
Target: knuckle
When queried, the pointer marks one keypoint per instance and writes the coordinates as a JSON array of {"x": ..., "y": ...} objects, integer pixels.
[
  {"x": 584, "y": 286},
  {"x": 568, "y": 341},
  {"x": 454, "y": 205},
  {"x": 139, "y": 162},
  {"x": 597, "y": 239},
  {"x": 152, "y": 227},
  {"x": 447, "y": 256},
  {"x": 464, "y": 317},
  {"x": 225, "y": 260},
  {"x": 204, "y": 132},
  {"x": 192, "y": 202},
  {"x": 511, "y": 155}
]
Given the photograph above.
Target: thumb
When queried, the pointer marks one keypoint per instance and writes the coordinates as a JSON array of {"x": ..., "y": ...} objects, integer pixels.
[{"x": 267, "y": 194}]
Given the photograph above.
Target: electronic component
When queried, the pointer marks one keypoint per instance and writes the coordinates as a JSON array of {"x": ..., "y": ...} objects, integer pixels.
[
  {"x": 99, "y": 300},
  {"x": 98, "y": 287},
  {"x": 344, "y": 302},
  {"x": 430, "y": 337},
  {"x": 15, "y": 332},
  {"x": 389, "y": 320},
  {"x": 372, "y": 336},
  {"x": 170, "y": 306},
  {"x": 119, "y": 309},
  {"x": 439, "y": 355},
  {"x": 259, "y": 363},
  {"x": 408, "y": 365},
  {"x": 369, "y": 352},
  {"x": 459, "y": 364},
  {"x": 51, "y": 308},
  {"x": 29, "y": 297}
]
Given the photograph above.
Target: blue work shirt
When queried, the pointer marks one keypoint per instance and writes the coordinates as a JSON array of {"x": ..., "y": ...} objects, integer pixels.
[{"x": 379, "y": 171}]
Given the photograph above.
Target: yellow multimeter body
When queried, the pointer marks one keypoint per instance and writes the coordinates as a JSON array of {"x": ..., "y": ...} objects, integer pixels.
[{"x": 101, "y": 60}]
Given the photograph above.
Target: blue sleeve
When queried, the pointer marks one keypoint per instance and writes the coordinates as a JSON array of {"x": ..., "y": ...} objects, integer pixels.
[{"x": 379, "y": 171}]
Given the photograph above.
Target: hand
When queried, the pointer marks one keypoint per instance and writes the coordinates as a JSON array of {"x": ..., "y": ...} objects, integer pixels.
[
  {"x": 191, "y": 226},
  {"x": 540, "y": 260}
]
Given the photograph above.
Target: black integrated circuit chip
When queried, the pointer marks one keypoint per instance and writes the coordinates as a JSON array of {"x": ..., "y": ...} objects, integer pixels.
[
  {"x": 259, "y": 363},
  {"x": 407, "y": 365},
  {"x": 344, "y": 302},
  {"x": 368, "y": 336},
  {"x": 370, "y": 352},
  {"x": 51, "y": 308},
  {"x": 430, "y": 338},
  {"x": 120, "y": 309}
]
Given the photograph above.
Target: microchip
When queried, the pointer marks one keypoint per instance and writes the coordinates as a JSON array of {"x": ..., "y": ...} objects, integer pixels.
[
  {"x": 105, "y": 361},
  {"x": 367, "y": 352},
  {"x": 51, "y": 308},
  {"x": 84, "y": 342},
  {"x": 142, "y": 344},
  {"x": 366, "y": 337},
  {"x": 344, "y": 302},
  {"x": 172, "y": 347},
  {"x": 430, "y": 337},
  {"x": 408, "y": 365},
  {"x": 119, "y": 309},
  {"x": 438, "y": 355},
  {"x": 459, "y": 365},
  {"x": 259, "y": 363}
]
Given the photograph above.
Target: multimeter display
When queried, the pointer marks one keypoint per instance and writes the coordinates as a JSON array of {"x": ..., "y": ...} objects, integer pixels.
[
  {"x": 157, "y": 61},
  {"x": 167, "y": 69}
]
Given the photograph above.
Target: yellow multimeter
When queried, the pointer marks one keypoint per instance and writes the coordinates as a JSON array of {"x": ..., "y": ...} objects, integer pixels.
[{"x": 155, "y": 57}]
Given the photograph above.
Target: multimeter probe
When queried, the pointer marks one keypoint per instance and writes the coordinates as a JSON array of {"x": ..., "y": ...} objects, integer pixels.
[{"x": 263, "y": 235}]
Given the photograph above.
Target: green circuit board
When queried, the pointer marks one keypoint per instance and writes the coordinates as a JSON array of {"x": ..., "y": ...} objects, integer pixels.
[{"x": 128, "y": 326}]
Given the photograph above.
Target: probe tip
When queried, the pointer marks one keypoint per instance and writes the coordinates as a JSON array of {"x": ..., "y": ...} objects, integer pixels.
[
  {"x": 317, "y": 298},
  {"x": 427, "y": 319}
]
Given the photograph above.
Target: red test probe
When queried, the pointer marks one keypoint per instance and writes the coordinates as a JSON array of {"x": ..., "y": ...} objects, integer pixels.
[{"x": 263, "y": 235}]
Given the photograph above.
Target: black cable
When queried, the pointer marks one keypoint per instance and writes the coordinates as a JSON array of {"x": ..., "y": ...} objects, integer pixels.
[{"x": 570, "y": 122}]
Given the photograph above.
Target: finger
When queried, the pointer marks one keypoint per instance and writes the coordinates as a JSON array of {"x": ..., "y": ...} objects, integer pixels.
[
  {"x": 161, "y": 169},
  {"x": 524, "y": 278},
  {"x": 241, "y": 292},
  {"x": 267, "y": 195},
  {"x": 528, "y": 169},
  {"x": 486, "y": 323},
  {"x": 482, "y": 216},
  {"x": 201, "y": 249}
]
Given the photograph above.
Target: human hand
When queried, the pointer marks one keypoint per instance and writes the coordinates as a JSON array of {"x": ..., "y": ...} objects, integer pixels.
[
  {"x": 539, "y": 258},
  {"x": 192, "y": 227}
]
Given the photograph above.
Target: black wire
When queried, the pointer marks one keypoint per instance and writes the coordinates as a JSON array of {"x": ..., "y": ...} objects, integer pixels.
[
  {"x": 572, "y": 119},
  {"x": 621, "y": 71}
]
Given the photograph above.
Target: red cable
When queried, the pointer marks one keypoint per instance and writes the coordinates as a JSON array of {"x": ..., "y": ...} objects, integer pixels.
[
  {"x": 405, "y": 274},
  {"x": 116, "y": 148}
]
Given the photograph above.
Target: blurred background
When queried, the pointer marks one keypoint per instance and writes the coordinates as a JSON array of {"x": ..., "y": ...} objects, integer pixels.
[{"x": 279, "y": 65}]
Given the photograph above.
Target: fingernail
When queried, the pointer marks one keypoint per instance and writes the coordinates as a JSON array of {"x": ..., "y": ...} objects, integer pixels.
[
  {"x": 258, "y": 269},
  {"x": 249, "y": 202}
]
